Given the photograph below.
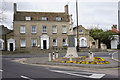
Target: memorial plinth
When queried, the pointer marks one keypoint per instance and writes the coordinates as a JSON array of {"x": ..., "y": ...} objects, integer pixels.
[{"x": 71, "y": 51}]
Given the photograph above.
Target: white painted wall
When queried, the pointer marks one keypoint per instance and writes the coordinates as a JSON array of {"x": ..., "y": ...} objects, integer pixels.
[
  {"x": 114, "y": 43},
  {"x": 2, "y": 43}
]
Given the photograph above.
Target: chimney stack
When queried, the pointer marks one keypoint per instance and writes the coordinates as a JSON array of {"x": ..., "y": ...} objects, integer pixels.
[
  {"x": 66, "y": 9},
  {"x": 15, "y": 8}
]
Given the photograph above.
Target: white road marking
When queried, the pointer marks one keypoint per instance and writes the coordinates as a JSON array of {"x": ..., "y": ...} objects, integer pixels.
[
  {"x": 93, "y": 75},
  {"x": 114, "y": 53},
  {"x": 26, "y": 78},
  {"x": 109, "y": 53},
  {"x": 1, "y": 70}
]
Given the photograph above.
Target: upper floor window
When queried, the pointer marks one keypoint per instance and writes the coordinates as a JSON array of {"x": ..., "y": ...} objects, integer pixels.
[
  {"x": 58, "y": 18},
  {"x": 80, "y": 30},
  {"x": 64, "y": 42},
  {"x": 63, "y": 29},
  {"x": 54, "y": 29},
  {"x": 54, "y": 42},
  {"x": 34, "y": 42},
  {"x": 23, "y": 43},
  {"x": 44, "y": 18},
  {"x": 27, "y": 18},
  {"x": 33, "y": 29},
  {"x": 22, "y": 29},
  {"x": 44, "y": 29}
]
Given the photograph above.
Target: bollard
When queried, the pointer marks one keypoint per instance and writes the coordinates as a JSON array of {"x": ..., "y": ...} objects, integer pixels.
[
  {"x": 50, "y": 57},
  {"x": 91, "y": 56},
  {"x": 53, "y": 56},
  {"x": 70, "y": 57},
  {"x": 56, "y": 55}
]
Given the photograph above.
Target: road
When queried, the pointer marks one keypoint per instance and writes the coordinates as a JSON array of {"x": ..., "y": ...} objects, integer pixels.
[{"x": 12, "y": 70}]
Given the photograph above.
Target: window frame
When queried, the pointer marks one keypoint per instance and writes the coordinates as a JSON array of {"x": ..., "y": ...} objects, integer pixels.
[
  {"x": 58, "y": 18},
  {"x": 44, "y": 18},
  {"x": 64, "y": 31},
  {"x": 34, "y": 40},
  {"x": 54, "y": 42},
  {"x": 44, "y": 30},
  {"x": 34, "y": 29},
  {"x": 55, "y": 29},
  {"x": 27, "y": 18},
  {"x": 22, "y": 31},
  {"x": 22, "y": 45},
  {"x": 64, "y": 42}
]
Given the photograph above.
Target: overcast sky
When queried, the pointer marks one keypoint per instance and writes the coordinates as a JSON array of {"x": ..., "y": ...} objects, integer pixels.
[{"x": 101, "y": 13}]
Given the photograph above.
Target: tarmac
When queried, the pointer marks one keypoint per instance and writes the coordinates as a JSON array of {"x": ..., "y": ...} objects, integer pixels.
[{"x": 44, "y": 61}]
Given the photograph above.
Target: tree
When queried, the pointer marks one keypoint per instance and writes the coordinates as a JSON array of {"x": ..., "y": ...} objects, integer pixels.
[{"x": 102, "y": 36}]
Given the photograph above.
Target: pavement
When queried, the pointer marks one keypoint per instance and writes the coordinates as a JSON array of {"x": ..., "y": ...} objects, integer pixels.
[
  {"x": 44, "y": 61},
  {"x": 36, "y": 66}
]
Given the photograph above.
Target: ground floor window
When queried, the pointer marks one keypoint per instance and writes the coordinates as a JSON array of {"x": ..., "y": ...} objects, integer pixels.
[
  {"x": 64, "y": 42},
  {"x": 54, "y": 42},
  {"x": 23, "y": 43},
  {"x": 34, "y": 42}
]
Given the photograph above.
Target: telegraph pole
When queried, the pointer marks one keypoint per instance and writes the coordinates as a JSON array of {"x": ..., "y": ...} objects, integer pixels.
[{"x": 77, "y": 26}]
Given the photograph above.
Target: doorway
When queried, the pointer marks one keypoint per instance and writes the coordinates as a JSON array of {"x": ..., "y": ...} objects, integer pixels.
[
  {"x": 44, "y": 44},
  {"x": 11, "y": 46}
]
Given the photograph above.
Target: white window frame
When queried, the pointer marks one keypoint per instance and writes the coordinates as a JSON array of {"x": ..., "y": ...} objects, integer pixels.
[
  {"x": 34, "y": 41},
  {"x": 58, "y": 18},
  {"x": 54, "y": 43},
  {"x": 22, "y": 29},
  {"x": 64, "y": 31},
  {"x": 54, "y": 27},
  {"x": 24, "y": 43},
  {"x": 27, "y": 18},
  {"x": 32, "y": 29},
  {"x": 64, "y": 43},
  {"x": 44, "y": 18},
  {"x": 44, "y": 30}
]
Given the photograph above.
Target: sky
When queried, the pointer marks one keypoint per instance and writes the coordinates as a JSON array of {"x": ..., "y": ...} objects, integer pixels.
[{"x": 92, "y": 13}]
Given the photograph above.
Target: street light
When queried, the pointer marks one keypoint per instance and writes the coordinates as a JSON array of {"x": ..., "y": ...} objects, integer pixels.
[{"x": 77, "y": 26}]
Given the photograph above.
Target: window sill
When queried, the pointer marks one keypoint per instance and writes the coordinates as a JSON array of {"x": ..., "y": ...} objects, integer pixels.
[
  {"x": 22, "y": 47},
  {"x": 64, "y": 33},
  {"x": 22, "y": 33},
  {"x": 34, "y": 46},
  {"x": 54, "y": 45},
  {"x": 44, "y": 32},
  {"x": 33, "y": 33},
  {"x": 55, "y": 33}
]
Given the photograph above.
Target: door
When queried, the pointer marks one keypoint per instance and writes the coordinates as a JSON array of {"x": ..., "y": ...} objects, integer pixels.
[
  {"x": 11, "y": 46},
  {"x": 44, "y": 44}
]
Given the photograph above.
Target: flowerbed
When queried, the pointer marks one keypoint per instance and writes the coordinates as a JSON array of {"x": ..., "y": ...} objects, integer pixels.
[{"x": 97, "y": 60}]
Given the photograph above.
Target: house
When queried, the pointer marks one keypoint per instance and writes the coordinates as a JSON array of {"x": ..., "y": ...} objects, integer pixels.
[
  {"x": 114, "y": 43},
  {"x": 37, "y": 31},
  {"x": 85, "y": 40},
  {"x": 5, "y": 34},
  {"x": 41, "y": 32}
]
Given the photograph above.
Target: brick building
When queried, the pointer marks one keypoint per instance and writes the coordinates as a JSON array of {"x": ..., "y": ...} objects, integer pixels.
[{"x": 37, "y": 31}]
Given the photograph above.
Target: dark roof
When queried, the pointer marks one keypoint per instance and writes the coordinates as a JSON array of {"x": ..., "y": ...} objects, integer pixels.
[
  {"x": 5, "y": 30},
  {"x": 36, "y": 16}
]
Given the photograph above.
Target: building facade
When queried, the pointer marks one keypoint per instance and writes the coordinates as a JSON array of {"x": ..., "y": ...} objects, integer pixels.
[
  {"x": 85, "y": 40},
  {"x": 37, "y": 31}
]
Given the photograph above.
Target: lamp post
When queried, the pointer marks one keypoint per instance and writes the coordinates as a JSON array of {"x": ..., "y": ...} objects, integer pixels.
[{"x": 77, "y": 26}]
